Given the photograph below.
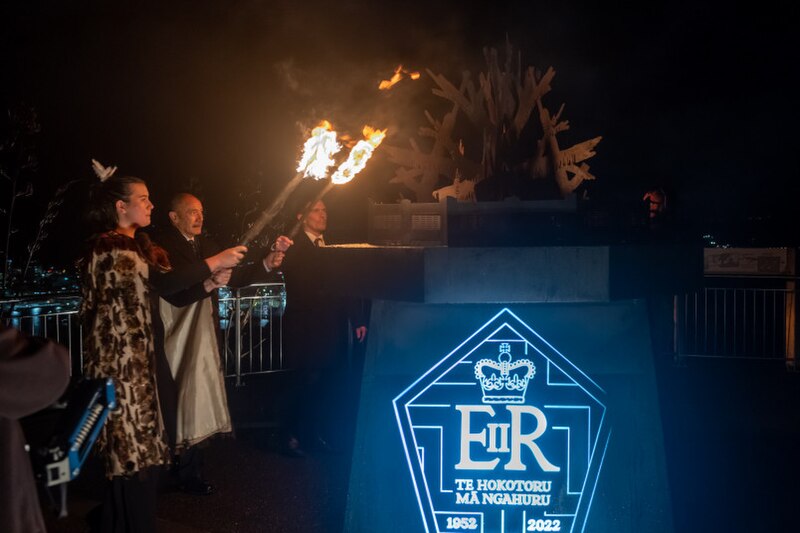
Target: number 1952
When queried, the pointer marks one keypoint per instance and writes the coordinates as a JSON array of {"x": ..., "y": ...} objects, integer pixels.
[{"x": 459, "y": 522}]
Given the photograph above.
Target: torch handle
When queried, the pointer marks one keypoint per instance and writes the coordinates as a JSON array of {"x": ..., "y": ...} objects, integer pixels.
[
  {"x": 271, "y": 212},
  {"x": 308, "y": 208}
]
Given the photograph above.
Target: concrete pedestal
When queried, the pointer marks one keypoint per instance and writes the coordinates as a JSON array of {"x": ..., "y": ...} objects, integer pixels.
[{"x": 509, "y": 389}]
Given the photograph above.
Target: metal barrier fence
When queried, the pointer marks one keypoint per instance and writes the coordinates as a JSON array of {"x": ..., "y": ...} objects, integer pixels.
[
  {"x": 250, "y": 320},
  {"x": 736, "y": 322},
  {"x": 53, "y": 317},
  {"x": 727, "y": 322}
]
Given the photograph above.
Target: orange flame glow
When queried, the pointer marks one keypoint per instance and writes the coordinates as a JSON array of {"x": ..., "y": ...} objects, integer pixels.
[
  {"x": 318, "y": 151},
  {"x": 398, "y": 75},
  {"x": 359, "y": 155}
]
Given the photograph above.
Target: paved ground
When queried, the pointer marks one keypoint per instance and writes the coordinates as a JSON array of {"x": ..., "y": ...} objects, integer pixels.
[
  {"x": 732, "y": 440},
  {"x": 258, "y": 488},
  {"x": 732, "y": 437}
]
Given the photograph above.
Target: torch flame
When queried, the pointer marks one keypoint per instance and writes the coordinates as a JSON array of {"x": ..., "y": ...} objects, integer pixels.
[
  {"x": 388, "y": 84},
  {"x": 396, "y": 77},
  {"x": 318, "y": 151},
  {"x": 359, "y": 155}
]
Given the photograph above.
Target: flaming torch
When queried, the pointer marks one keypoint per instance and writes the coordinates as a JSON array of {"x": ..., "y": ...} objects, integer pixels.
[
  {"x": 355, "y": 163},
  {"x": 317, "y": 157}
]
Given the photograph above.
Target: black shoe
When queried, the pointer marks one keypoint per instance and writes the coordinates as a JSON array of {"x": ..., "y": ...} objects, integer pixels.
[
  {"x": 197, "y": 487},
  {"x": 292, "y": 449}
]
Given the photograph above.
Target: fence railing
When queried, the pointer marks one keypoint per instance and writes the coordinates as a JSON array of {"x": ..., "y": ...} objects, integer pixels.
[
  {"x": 736, "y": 322},
  {"x": 725, "y": 322},
  {"x": 51, "y": 316},
  {"x": 250, "y": 321}
]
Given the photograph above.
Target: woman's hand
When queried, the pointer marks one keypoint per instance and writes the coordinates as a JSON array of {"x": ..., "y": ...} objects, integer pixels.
[
  {"x": 222, "y": 277},
  {"x": 218, "y": 279}
]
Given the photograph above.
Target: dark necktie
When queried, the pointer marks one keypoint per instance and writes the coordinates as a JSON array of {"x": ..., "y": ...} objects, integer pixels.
[
  {"x": 195, "y": 247},
  {"x": 318, "y": 242}
]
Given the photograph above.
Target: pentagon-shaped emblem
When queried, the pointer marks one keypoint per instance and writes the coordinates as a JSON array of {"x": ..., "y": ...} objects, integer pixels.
[{"x": 504, "y": 434}]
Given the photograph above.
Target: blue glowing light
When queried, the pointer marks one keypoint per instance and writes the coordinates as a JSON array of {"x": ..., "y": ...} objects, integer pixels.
[{"x": 504, "y": 434}]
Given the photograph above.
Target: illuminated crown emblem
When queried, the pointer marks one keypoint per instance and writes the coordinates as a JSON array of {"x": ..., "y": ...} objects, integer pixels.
[{"x": 503, "y": 381}]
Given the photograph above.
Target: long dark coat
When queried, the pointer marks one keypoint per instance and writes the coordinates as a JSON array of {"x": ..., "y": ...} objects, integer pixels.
[{"x": 317, "y": 318}]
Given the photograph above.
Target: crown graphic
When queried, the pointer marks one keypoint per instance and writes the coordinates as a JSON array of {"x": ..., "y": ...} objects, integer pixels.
[{"x": 503, "y": 381}]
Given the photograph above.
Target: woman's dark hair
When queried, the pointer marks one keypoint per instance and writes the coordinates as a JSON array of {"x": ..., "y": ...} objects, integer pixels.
[
  {"x": 103, "y": 196},
  {"x": 102, "y": 216}
]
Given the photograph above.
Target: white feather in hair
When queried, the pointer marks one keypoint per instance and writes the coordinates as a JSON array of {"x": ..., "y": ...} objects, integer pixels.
[{"x": 102, "y": 172}]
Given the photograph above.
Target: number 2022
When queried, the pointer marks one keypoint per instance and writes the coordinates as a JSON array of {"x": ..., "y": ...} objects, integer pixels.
[
  {"x": 456, "y": 522},
  {"x": 543, "y": 525}
]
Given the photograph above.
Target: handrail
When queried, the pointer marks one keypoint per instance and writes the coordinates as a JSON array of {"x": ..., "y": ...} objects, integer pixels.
[
  {"x": 736, "y": 323},
  {"x": 257, "y": 308}
]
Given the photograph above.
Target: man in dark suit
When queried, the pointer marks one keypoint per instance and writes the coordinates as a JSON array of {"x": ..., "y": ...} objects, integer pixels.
[
  {"x": 317, "y": 324},
  {"x": 191, "y": 323}
]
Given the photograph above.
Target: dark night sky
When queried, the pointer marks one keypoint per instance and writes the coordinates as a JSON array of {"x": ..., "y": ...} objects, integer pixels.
[{"x": 695, "y": 97}]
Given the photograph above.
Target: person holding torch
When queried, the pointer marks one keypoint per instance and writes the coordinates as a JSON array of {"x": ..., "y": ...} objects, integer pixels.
[
  {"x": 192, "y": 336},
  {"x": 123, "y": 273},
  {"x": 318, "y": 326}
]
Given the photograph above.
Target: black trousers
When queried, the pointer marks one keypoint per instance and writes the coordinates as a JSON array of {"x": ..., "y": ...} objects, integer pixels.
[
  {"x": 324, "y": 405},
  {"x": 190, "y": 463},
  {"x": 129, "y": 504}
]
